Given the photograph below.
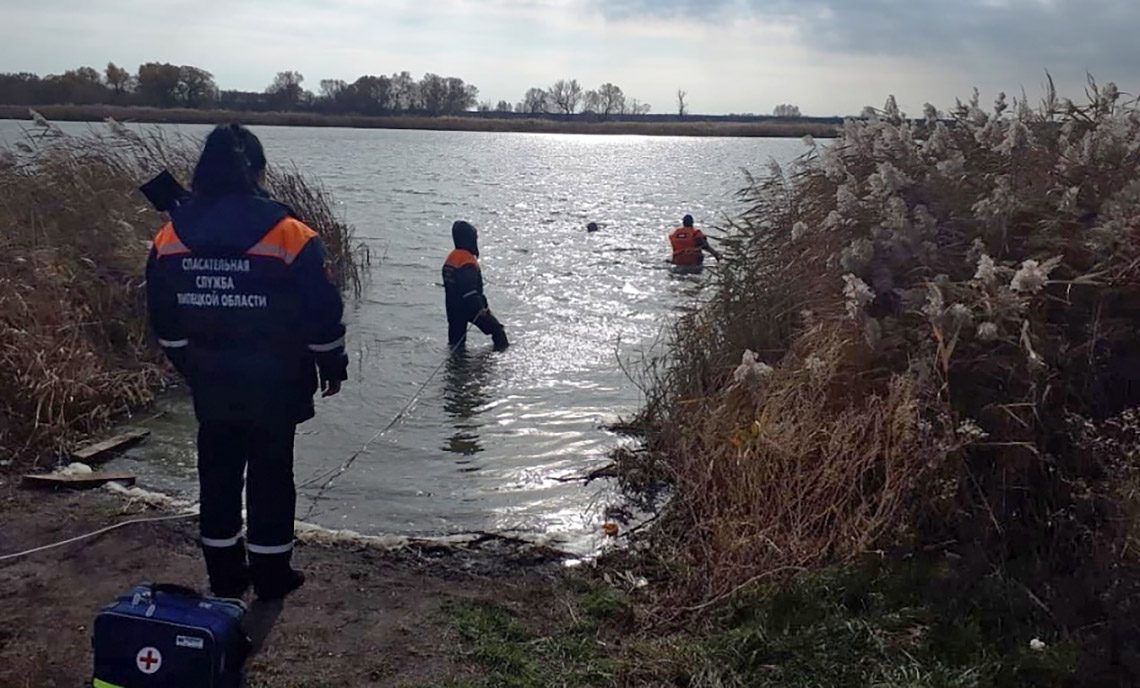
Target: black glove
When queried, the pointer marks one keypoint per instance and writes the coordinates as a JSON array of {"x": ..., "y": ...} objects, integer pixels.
[{"x": 332, "y": 366}]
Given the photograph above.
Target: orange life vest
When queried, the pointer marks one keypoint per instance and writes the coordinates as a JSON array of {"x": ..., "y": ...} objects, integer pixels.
[
  {"x": 459, "y": 258},
  {"x": 686, "y": 243}
]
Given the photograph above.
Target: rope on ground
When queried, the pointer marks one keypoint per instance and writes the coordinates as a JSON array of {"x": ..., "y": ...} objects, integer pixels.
[{"x": 95, "y": 533}]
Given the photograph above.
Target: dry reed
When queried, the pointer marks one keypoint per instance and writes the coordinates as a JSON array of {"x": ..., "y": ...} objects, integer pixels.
[
  {"x": 75, "y": 353},
  {"x": 918, "y": 330}
]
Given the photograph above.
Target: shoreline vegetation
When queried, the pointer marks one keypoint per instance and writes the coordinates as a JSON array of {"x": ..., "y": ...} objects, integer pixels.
[
  {"x": 900, "y": 439},
  {"x": 75, "y": 352},
  {"x": 920, "y": 360},
  {"x": 773, "y": 127}
]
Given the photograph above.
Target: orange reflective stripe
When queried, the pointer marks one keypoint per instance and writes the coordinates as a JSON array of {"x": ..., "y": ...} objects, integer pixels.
[
  {"x": 460, "y": 258},
  {"x": 167, "y": 242},
  {"x": 285, "y": 241}
]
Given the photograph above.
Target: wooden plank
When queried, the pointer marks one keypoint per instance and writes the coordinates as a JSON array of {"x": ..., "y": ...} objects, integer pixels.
[
  {"x": 93, "y": 453},
  {"x": 77, "y": 481}
]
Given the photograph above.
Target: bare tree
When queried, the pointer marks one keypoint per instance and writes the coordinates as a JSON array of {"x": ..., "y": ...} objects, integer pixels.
[
  {"x": 118, "y": 79},
  {"x": 433, "y": 93},
  {"x": 503, "y": 106},
  {"x": 787, "y": 110},
  {"x": 566, "y": 95},
  {"x": 369, "y": 95},
  {"x": 612, "y": 99},
  {"x": 592, "y": 102},
  {"x": 157, "y": 84},
  {"x": 331, "y": 88},
  {"x": 682, "y": 106},
  {"x": 286, "y": 89},
  {"x": 196, "y": 86},
  {"x": 636, "y": 107},
  {"x": 460, "y": 95},
  {"x": 535, "y": 102},
  {"x": 405, "y": 91}
]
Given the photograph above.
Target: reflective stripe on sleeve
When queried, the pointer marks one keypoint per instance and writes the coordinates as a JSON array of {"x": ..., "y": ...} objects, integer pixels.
[
  {"x": 221, "y": 543},
  {"x": 173, "y": 343},
  {"x": 269, "y": 549},
  {"x": 331, "y": 346},
  {"x": 473, "y": 292},
  {"x": 99, "y": 683}
]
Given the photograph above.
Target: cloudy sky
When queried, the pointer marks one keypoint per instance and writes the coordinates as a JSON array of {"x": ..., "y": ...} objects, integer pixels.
[{"x": 827, "y": 56}]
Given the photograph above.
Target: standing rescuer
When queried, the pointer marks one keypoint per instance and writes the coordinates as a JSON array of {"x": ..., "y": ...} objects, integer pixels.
[
  {"x": 463, "y": 290},
  {"x": 689, "y": 244},
  {"x": 242, "y": 303}
]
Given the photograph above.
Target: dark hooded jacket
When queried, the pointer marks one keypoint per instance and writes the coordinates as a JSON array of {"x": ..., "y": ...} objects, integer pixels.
[
  {"x": 462, "y": 277},
  {"x": 240, "y": 299}
]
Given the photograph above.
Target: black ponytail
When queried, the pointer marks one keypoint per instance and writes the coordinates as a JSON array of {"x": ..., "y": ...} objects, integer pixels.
[{"x": 231, "y": 162}]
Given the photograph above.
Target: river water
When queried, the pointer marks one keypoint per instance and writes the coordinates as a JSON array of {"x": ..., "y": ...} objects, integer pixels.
[{"x": 485, "y": 443}]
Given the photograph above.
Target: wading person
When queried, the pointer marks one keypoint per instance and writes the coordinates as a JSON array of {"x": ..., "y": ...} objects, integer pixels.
[
  {"x": 463, "y": 291},
  {"x": 689, "y": 245},
  {"x": 242, "y": 304}
]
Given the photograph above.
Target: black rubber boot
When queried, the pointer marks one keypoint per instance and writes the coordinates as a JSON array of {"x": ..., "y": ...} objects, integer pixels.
[
  {"x": 229, "y": 575},
  {"x": 273, "y": 577},
  {"x": 499, "y": 339}
]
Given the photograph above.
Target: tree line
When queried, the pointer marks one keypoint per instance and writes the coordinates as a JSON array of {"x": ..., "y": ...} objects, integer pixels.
[
  {"x": 566, "y": 97},
  {"x": 165, "y": 85}
]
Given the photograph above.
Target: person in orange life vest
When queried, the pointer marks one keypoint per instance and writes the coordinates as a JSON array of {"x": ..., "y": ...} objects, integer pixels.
[
  {"x": 463, "y": 290},
  {"x": 689, "y": 244},
  {"x": 241, "y": 303}
]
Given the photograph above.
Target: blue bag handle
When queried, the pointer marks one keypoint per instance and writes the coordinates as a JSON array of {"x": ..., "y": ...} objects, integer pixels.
[{"x": 175, "y": 590}]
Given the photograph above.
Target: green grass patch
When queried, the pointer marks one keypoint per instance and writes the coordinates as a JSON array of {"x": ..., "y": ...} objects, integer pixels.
[
  {"x": 888, "y": 625},
  {"x": 600, "y": 601},
  {"x": 901, "y": 624},
  {"x": 511, "y": 655}
]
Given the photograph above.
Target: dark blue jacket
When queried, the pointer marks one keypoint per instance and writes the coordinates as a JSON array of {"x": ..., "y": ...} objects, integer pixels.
[
  {"x": 462, "y": 277},
  {"x": 242, "y": 304}
]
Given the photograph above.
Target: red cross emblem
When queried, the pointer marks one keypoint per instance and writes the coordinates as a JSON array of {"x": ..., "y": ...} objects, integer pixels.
[{"x": 148, "y": 660}]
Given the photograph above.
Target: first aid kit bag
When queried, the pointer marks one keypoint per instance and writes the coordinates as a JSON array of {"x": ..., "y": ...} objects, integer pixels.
[{"x": 169, "y": 636}]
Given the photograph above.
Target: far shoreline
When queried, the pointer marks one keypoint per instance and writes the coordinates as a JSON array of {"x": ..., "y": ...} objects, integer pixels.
[{"x": 697, "y": 126}]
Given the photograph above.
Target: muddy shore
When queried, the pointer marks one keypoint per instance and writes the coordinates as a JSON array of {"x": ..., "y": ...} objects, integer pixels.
[{"x": 365, "y": 616}]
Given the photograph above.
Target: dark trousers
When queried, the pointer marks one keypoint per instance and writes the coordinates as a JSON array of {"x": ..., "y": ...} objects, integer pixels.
[
  {"x": 456, "y": 331},
  {"x": 485, "y": 321},
  {"x": 233, "y": 455}
]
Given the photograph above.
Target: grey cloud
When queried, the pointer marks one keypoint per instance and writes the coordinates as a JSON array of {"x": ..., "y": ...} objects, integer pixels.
[
  {"x": 1042, "y": 34},
  {"x": 672, "y": 9}
]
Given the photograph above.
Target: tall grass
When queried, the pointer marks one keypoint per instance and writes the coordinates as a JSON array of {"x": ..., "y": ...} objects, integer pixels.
[
  {"x": 75, "y": 352},
  {"x": 924, "y": 341}
]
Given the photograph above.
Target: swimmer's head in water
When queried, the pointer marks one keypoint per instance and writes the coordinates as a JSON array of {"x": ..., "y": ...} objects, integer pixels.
[
  {"x": 687, "y": 220},
  {"x": 592, "y": 227}
]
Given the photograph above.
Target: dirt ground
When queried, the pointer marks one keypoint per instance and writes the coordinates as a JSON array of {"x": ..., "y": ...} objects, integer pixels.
[{"x": 364, "y": 617}]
